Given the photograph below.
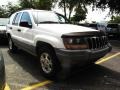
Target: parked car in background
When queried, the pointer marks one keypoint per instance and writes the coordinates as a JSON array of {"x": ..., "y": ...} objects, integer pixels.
[
  {"x": 3, "y": 23},
  {"x": 2, "y": 72},
  {"x": 93, "y": 26},
  {"x": 113, "y": 30},
  {"x": 83, "y": 24},
  {"x": 58, "y": 45},
  {"x": 98, "y": 26}
]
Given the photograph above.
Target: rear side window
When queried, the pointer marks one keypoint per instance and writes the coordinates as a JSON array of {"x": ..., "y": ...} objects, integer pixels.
[{"x": 16, "y": 19}]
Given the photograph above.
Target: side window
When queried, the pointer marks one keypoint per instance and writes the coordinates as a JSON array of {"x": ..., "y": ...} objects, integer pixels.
[
  {"x": 16, "y": 19},
  {"x": 26, "y": 17}
]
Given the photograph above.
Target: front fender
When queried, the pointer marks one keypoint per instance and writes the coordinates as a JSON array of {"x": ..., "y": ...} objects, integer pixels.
[{"x": 55, "y": 42}]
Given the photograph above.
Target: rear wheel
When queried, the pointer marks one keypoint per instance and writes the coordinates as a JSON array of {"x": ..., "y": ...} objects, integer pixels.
[{"x": 12, "y": 47}]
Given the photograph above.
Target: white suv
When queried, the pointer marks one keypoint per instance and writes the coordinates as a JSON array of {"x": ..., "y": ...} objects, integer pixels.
[{"x": 58, "y": 44}]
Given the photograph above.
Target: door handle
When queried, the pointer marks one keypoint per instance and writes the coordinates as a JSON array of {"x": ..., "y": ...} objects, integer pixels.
[{"x": 19, "y": 30}]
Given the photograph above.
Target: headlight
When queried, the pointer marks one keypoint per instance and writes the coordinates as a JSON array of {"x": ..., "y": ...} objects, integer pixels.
[{"x": 75, "y": 43}]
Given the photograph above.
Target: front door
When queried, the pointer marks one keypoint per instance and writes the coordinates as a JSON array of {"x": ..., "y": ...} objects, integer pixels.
[{"x": 27, "y": 35}]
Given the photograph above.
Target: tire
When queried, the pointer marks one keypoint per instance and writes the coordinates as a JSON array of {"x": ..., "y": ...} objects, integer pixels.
[
  {"x": 49, "y": 64},
  {"x": 12, "y": 47}
]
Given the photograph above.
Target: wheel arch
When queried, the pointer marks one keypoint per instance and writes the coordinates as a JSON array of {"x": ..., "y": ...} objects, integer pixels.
[
  {"x": 8, "y": 35},
  {"x": 43, "y": 44}
]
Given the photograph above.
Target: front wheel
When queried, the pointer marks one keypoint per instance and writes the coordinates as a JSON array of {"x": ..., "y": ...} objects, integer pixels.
[
  {"x": 49, "y": 64},
  {"x": 12, "y": 47}
]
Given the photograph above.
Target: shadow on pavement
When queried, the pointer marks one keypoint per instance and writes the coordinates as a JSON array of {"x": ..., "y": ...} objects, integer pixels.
[
  {"x": 91, "y": 78},
  {"x": 96, "y": 77},
  {"x": 3, "y": 42},
  {"x": 28, "y": 62},
  {"x": 115, "y": 43}
]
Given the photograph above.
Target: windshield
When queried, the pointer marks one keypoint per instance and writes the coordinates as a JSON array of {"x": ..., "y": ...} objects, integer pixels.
[
  {"x": 48, "y": 17},
  {"x": 3, "y": 21}
]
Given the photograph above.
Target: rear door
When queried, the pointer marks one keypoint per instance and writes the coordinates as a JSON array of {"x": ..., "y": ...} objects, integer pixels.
[{"x": 15, "y": 27}]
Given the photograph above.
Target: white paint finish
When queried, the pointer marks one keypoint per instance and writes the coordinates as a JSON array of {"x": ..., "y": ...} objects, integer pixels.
[
  {"x": 49, "y": 33},
  {"x": 60, "y": 29},
  {"x": 48, "y": 37}
]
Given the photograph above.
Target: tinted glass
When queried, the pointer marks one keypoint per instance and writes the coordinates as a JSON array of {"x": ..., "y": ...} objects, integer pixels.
[
  {"x": 112, "y": 25},
  {"x": 16, "y": 19},
  {"x": 25, "y": 17}
]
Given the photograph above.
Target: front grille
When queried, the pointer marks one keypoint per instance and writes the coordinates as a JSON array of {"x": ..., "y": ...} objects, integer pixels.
[{"x": 97, "y": 42}]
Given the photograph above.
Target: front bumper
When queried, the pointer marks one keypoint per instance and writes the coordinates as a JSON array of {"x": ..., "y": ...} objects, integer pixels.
[
  {"x": 69, "y": 58},
  {"x": 2, "y": 73}
]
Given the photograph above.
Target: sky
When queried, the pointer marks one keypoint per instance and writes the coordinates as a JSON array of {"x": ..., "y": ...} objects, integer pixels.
[{"x": 96, "y": 15}]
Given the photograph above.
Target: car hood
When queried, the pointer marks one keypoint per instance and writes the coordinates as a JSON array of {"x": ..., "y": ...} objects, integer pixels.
[{"x": 64, "y": 28}]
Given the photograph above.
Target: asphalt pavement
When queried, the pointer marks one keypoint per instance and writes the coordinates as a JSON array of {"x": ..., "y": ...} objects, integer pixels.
[{"x": 22, "y": 71}]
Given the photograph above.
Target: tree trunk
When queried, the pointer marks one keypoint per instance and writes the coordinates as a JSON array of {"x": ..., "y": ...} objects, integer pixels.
[
  {"x": 70, "y": 11},
  {"x": 64, "y": 8}
]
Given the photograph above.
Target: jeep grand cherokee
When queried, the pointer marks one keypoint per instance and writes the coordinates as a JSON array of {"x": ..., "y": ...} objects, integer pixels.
[{"x": 57, "y": 44}]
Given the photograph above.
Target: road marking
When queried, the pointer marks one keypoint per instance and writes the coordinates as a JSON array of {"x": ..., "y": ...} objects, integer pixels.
[
  {"x": 7, "y": 87},
  {"x": 48, "y": 82},
  {"x": 108, "y": 58},
  {"x": 37, "y": 85}
]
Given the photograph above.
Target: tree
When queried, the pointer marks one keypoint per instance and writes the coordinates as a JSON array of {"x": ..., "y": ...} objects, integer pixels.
[
  {"x": 72, "y": 5},
  {"x": 115, "y": 19},
  {"x": 43, "y": 4},
  {"x": 9, "y": 9},
  {"x": 26, "y": 4},
  {"x": 3, "y": 13},
  {"x": 114, "y": 5},
  {"x": 79, "y": 15},
  {"x": 36, "y": 4},
  {"x": 12, "y": 8}
]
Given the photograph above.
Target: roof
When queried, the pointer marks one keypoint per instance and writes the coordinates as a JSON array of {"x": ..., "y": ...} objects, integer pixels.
[{"x": 31, "y": 10}]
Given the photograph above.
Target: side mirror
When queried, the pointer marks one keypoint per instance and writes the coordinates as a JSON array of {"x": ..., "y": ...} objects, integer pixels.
[{"x": 25, "y": 24}]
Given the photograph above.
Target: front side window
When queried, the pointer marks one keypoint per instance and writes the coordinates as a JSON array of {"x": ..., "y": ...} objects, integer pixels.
[
  {"x": 26, "y": 18},
  {"x": 16, "y": 19}
]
